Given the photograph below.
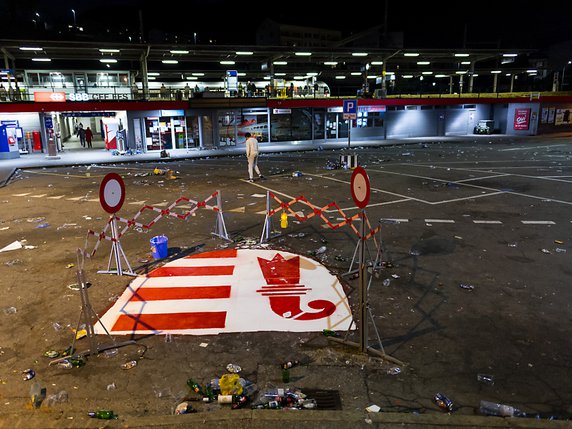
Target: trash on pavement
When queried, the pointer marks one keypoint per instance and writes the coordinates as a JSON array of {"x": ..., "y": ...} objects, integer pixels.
[{"x": 443, "y": 402}]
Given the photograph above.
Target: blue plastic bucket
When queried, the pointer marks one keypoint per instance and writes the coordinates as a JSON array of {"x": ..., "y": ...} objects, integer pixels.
[{"x": 159, "y": 246}]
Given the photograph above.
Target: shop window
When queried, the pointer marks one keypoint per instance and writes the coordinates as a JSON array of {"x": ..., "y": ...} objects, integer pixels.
[
  {"x": 301, "y": 124},
  {"x": 280, "y": 127}
]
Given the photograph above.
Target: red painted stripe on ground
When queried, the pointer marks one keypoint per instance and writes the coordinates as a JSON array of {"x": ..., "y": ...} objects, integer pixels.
[
  {"x": 194, "y": 292},
  {"x": 225, "y": 253},
  {"x": 170, "y": 321},
  {"x": 166, "y": 271}
]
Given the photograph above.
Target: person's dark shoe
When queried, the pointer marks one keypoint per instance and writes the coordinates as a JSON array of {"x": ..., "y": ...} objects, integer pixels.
[{"x": 262, "y": 177}]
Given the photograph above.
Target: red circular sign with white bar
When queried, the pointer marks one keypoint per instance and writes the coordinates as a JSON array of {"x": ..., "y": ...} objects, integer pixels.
[
  {"x": 360, "y": 187},
  {"x": 112, "y": 193}
]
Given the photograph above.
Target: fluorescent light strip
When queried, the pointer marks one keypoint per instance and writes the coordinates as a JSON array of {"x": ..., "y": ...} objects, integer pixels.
[
  {"x": 29, "y": 48},
  {"x": 280, "y": 63},
  {"x": 179, "y": 52},
  {"x": 244, "y": 53},
  {"x": 330, "y": 63},
  {"x": 42, "y": 59},
  {"x": 109, "y": 51},
  {"x": 340, "y": 77},
  {"x": 423, "y": 63},
  {"x": 153, "y": 74},
  {"x": 410, "y": 54},
  {"x": 359, "y": 54},
  {"x": 225, "y": 63},
  {"x": 108, "y": 60},
  {"x": 376, "y": 63},
  {"x": 170, "y": 62},
  {"x": 198, "y": 74},
  {"x": 303, "y": 54},
  {"x": 461, "y": 55}
]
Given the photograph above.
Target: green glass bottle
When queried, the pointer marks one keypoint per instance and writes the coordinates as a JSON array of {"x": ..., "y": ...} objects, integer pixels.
[
  {"x": 102, "y": 414},
  {"x": 196, "y": 387},
  {"x": 330, "y": 333},
  {"x": 285, "y": 375}
]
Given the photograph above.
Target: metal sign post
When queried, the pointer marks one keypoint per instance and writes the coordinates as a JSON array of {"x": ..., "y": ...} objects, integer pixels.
[{"x": 360, "y": 189}]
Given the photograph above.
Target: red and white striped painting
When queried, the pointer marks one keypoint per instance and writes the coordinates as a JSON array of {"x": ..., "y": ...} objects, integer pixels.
[{"x": 233, "y": 290}]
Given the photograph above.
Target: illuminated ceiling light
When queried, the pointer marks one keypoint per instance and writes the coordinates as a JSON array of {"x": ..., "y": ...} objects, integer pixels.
[
  {"x": 496, "y": 71},
  {"x": 198, "y": 74},
  {"x": 241, "y": 74},
  {"x": 109, "y": 51},
  {"x": 30, "y": 48},
  {"x": 266, "y": 77},
  {"x": 280, "y": 63},
  {"x": 279, "y": 74},
  {"x": 170, "y": 62},
  {"x": 330, "y": 63},
  {"x": 299, "y": 77},
  {"x": 407, "y": 76},
  {"x": 179, "y": 52},
  {"x": 465, "y": 63},
  {"x": 151, "y": 77},
  {"x": 192, "y": 78},
  {"x": 508, "y": 74},
  {"x": 475, "y": 74},
  {"x": 423, "y": 63},
  {"x": 153, "y": 74},
  {"x": 376, "y": 63},
  {"x": 389, "y": 73},
  {"x": 359, "y": 54},
  {"x": 509, "y": 55},
  {"x": 427, "y": 72},
  {"x": 244, "y": 53},
  {"x": 532, "y": 71},
  {"x": 311, "y": 74},
  {"x": 410, "y": 54},
  {"x": 440, "y": 75},
  {"x": 372, "y": 77},
  {"x": 340, "y": 77},
  {"x": 108, "y": 60},
  {"x": 303, "y": 54},
  {"x": 42, "y": 59},
  {"x": 355, "y": 73},
  {"x": 227, "y": 63},
  {"x": 461, "y": 72},
  {"x": 461, "y": 55}
]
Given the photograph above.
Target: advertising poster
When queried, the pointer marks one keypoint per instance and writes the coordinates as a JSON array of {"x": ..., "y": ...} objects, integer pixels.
[
  {"x": 562, "y": 117},
  {"x": 544, "y": 116},
  {"x": 521, "y": 119},
  {"x": 551, "y": 113}
]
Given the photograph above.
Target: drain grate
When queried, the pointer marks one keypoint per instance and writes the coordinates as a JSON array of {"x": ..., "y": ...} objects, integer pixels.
[{"x": 326, "y": 399}]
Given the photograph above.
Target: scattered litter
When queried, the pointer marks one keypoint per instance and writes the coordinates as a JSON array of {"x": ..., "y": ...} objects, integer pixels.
[
  {"x": 70, "y": 265},
  {"x": 28, "y": 374},
  {"x": 12, "y": 246},
  {"x": 486, "y": 379},
  {"x": 111, "y": 386},
  {"x": 4, "y": 228},
  {"x": 129, "y": 365},
  {"x": 466, "y": 286},
  {"x": 43, "y": 225},
  {"x": 558, "y": 242},
  {"x": 203, "y": 344},
  {"x": 37, "y": 394},
  {"x": 9, "y": 310},
  {"x": 51, "y": 354},
  {"x": 395, "y": 276},
  {"x": 233, "y": 368},
  {"x": 488, "y": 408},
  {"x": 443, "y": 402},
  {"x": 394, "y": 370},
  {"x": 546, "y": 251},
  {"x": 512, "y": 244},
  {"x": 13, "y": 262},
  {"x": 184, "y": 408},
  {"x": 373, "y": 409},
  {"x": 69, "y": 226},
  {"x": 560, "y": 250},
  {"x": 57, "y": 398},
  {"x": 386, "y": 282},
  {"x": 296, "y": 173}
]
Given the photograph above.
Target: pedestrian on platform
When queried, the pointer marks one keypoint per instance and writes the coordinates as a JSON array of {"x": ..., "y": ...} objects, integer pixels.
[
  {"x": 88, "y": 136},
  {"x": 252, "y": 156}
]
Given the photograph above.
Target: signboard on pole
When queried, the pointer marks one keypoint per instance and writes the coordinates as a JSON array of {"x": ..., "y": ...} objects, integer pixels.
[{"x": 350, "y": 109}]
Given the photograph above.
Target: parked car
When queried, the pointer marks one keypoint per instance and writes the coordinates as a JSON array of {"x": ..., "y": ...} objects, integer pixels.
[{"x": 484, "y": 126}]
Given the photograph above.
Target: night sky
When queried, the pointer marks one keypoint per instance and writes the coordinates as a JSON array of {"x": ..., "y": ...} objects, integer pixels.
[{"x": 443, "y": 24}]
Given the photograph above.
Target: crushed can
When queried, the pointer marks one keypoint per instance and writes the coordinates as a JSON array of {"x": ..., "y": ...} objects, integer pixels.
[{"x": 443, "y": 402}]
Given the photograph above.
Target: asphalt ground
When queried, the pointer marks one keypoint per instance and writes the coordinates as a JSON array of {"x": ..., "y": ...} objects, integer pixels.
[{"x": 478, "y": 240}]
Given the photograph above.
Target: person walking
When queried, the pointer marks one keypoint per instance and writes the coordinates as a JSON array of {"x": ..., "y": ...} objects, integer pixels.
[
  {"x": 252, "y": 156},
  {"x": 81, "y": 134},
  {"x": 88, "y": 136}
]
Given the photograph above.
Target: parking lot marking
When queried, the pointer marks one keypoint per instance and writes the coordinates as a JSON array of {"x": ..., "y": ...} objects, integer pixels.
[
  {"x": 492, "y": 222},
  {"x": 439, "y": 221},
  {"x": 38, "y": 196},
  {"x": 538, "y": 222},
  {"x": 21, "y": 195},
  {"x": 56, "y": 197}
]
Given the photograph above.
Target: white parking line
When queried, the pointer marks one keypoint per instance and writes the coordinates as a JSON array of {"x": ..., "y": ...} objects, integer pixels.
[
  {"x": 439, "y": 221},
  {"x": 538, "y": 222},
  {"x": 493, "y": 222}
]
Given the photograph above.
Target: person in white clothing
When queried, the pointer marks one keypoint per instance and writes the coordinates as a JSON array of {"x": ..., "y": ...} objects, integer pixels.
[{"x": 252, "y": 156}]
